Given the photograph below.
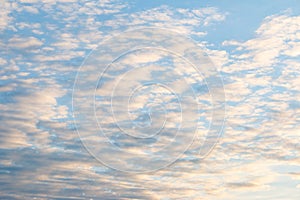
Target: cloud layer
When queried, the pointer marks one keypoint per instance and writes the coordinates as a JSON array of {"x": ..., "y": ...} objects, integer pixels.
[{"x": 44, "y": 43}]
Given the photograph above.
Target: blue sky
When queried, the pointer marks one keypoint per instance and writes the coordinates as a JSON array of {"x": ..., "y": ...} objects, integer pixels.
[{"x": 95, "y": 94}]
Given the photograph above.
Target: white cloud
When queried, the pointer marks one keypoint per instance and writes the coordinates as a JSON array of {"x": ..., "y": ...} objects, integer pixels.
[
  {"x": 5, "y": 9},
  {"x": 23, "y": 43},
  {"x": 255, "y": 137},
  {"x": 31, "y": 9},
  {"x": 32, "y": 106},
  {"x": 294, "y": 50},
  {"x": 276, "y": 36},
  {"x": 2, "y": 61},
  {"x": 180, "y": 20},
  {"x": 29, "y": 1}
]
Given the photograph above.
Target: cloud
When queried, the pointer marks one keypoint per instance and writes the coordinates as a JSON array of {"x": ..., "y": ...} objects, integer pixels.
[
  {"x": 30, "y": 9},
  {"x": 261, "y": 80},
  {"x": 5, "y": 9},
  {"x": 24, "y": 43},
  {"x": 22, "y": 110},
  {"x": 181, "y": 20},
  {"x": 29, "y": 1},
  {"x": 277, "y": 36}
]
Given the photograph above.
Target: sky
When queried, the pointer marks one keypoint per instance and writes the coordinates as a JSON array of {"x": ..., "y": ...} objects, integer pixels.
[{"x": 111, "y": 99}]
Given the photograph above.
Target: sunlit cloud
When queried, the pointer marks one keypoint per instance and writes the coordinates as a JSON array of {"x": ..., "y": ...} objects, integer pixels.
[{"x": 45, "y": 42}]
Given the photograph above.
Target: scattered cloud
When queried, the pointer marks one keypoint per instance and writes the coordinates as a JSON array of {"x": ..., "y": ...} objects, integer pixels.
[
  {"x": 38, "y": 66},
  {"x": 5, "y": 9},
  {"x": 24, "y": 43}
]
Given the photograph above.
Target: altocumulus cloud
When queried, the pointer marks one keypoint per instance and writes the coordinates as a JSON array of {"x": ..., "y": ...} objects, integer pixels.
[{"x": 42, "y": 154}]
